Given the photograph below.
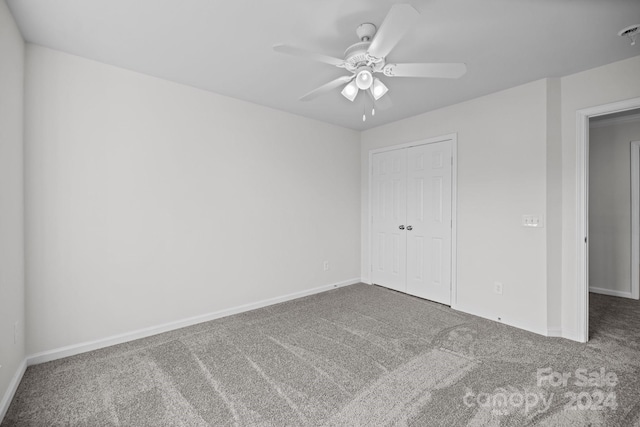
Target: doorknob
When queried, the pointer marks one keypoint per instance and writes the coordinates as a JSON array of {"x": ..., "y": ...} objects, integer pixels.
[
  {"x": 409, "y": 227},
  {"x": 401, "y": 227}
]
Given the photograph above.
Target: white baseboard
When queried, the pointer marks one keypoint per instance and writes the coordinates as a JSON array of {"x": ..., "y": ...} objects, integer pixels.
[
  {"x": 503, "y": 320},
  {"x": 555, "y": 332},
  {"x": 11, "y": 391},
  {"x": 72, "y": 350},
  {"x": 611, "y": 292},
  {"x": 571, "y": 335}
]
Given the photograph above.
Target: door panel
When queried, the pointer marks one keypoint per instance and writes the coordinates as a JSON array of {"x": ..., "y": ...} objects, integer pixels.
[
  {"x": 412, "y": 187},
  {"x": 388, "y": 213},
  {"x": 429, "y": 215}
]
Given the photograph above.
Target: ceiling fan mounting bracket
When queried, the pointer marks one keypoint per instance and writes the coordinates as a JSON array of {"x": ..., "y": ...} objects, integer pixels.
[
  {"x": 388, "y": 70},
  {"x": 366, "y": 31},
  {"x": 377, "y": 64}
]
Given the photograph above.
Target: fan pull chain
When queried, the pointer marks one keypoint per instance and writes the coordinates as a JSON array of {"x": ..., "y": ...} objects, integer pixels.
[{"x": 364, "y": 111}]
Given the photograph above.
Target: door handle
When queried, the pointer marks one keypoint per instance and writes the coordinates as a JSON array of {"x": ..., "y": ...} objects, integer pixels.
[
  {"x": 409, "y": 227},
  {"x": 401, "y": 227}
]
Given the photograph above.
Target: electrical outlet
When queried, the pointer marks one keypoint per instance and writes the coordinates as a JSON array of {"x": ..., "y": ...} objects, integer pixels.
[
  {"x": 497, "y": 288},
  {"x": 325, "y": 266},
  {"x": 532, "y": 221}
]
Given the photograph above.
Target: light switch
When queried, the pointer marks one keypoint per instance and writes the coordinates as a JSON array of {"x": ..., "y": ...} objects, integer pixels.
[{"x": 532, "y": 221}]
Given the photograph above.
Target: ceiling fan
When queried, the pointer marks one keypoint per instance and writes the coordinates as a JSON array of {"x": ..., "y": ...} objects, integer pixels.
[{"x": 368, "y": 57}]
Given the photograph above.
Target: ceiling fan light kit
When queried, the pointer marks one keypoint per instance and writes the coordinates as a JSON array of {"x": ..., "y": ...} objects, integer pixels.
[
  {"x": 378, "y": 89},
  {"x": 367, "y": 57},
  {"x": 364, "y": 79},
  {"x": 350, "y": 91}
]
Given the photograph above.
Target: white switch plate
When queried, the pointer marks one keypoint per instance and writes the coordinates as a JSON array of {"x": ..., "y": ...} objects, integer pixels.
[{"x": 532, "y": 221}]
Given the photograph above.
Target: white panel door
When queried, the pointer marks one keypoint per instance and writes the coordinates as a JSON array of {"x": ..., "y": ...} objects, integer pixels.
[
  {"x": 388, "y": 215},
  {"x": 411, "y": 220},
  {"x": 428, "y": 224}
]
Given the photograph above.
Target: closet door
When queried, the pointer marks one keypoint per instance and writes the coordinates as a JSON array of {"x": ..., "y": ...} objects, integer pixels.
[
  {"x": 388, "y": 202},
  {"x": 428, "y": 226}
]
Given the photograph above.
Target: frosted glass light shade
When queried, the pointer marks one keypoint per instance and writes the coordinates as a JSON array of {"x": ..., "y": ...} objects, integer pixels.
[
  {"x": 378, "y": 89},
  {"x": 350, "y": 91},
  {"x": 364, "y": 79}
]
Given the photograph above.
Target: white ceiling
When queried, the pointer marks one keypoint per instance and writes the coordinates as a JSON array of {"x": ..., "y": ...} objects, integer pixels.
[{"x": 226, "y": 46}]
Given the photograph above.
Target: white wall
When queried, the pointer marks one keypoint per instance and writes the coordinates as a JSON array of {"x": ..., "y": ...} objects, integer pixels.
[
  {"x": 11, "y": 202},
  {"x": 610, "y": 207},
  {"x": 502, "y": 156},
  {"x": 610, "y": 83},
  {"x": 150, "y": 202}
]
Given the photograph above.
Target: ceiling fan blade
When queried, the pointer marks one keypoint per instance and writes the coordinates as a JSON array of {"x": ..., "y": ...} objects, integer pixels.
[
  {"x": 327, "y": 87},
  {"x": 400, "y": 19},
  {"x": 297, "y": 51},
  {"x": 442, "y": 71}
]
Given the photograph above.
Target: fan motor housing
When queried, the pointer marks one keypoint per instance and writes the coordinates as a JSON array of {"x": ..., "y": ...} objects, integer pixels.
[{"x": 356, "y": 54}]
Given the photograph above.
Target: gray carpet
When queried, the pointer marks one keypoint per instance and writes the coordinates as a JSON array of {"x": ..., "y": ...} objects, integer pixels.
[{"x": 355, "y": 356}]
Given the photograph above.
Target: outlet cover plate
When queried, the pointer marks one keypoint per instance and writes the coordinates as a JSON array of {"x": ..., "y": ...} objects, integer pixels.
[{"x": 535, "y": 221}]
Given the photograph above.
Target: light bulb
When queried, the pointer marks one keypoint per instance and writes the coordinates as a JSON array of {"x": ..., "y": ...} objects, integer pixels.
[{"x": 364, "y": 79}]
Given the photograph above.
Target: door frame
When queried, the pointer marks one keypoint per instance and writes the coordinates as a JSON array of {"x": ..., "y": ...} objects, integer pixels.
[
  {"x": 453, "y": 137},
  {"x": 635, "y": 219},
  {"x": 582, "y": 206}
]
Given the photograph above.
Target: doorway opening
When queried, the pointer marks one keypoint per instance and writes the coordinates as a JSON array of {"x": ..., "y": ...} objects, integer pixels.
[{"x": 602, "y": 231}]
